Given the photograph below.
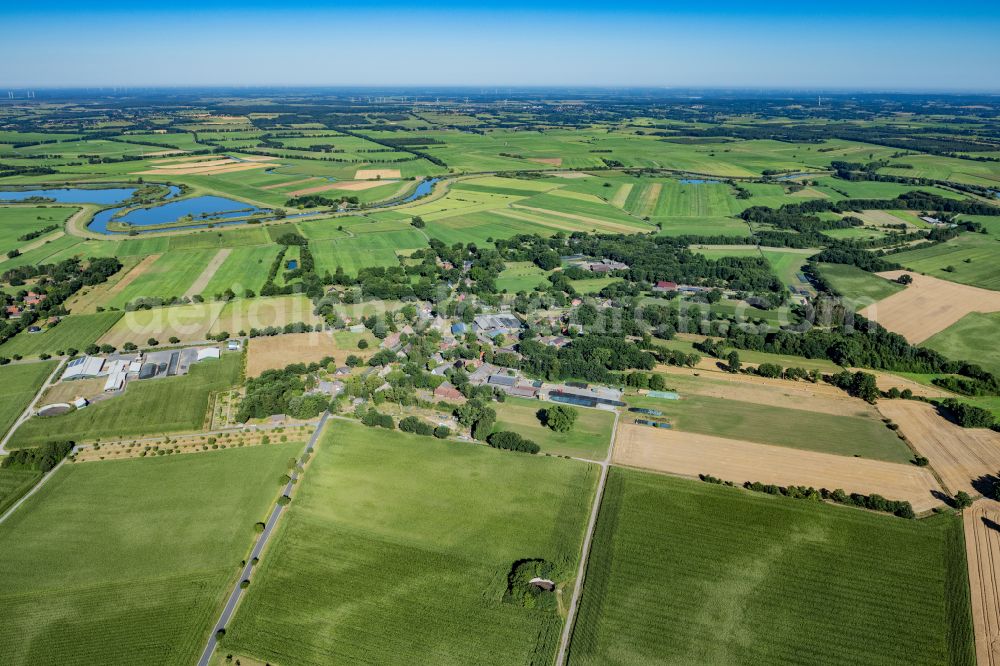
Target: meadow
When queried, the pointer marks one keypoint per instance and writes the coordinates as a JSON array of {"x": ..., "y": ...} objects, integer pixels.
[
  {"x": 149, "y": 407},
  {"x": 588, "y": 439},
  {"x": 242, "y": 314},
  {"x": 969, "y": 259},
  {"x": 130, "y": 561},
  {"x": 188, "y": 323},
  {"x": 18, "y": 386},
  {"x": 72, "y": 332},
  {"x": 397, "y": 550},
  {"x": 14, "y": 483},
  {"x": 687, "y": 572},
  {"x": 21, "y": 220},
  {"x": 852, "y": 434},
  {"x": 860, "y": 286},
  {"x": 973, "y": 339},
  {"x": 521, "y": 276}
]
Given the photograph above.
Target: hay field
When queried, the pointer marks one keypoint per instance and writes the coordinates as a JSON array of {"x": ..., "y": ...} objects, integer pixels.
[
  {"x": 243, "y": 314},
  {"x": 277, "y": 351},
  {"x": 684, "y": 572},
  {"x": 189, "y": 323},
  {"x": 928, "y": 306},
  {"x": 130, "y": 561},
  {"x": 960, "y": 456},
  {"x": 972, "y": 257},
  {"x": 971, "y": 338},
  {"x": 366, "y": 174},
  {"x": 589, "y": 438},
  {"x": 861, "y": 287},
  {"x": 170, "y": 275},
  {"x": 690, "y": 454},
  {"x": 441, "y": 524}
]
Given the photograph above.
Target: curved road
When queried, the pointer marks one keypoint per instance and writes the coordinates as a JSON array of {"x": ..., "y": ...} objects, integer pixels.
[{"x": 258, "y": 548}]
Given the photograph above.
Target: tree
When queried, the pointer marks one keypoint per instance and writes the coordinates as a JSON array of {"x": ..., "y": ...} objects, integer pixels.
[
  {"x": 962, "y": 500},
  {"x": 560, "y": 418},
  {"x": 733, "y": 363}
]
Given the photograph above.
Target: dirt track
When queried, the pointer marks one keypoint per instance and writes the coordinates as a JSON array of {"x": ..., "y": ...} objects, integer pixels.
[
  {"x": 959, "y": 455},
  {"x": 689, "y": 454},
  {"x": 206, "y": 275},
  {"x": 928, "y": 306},
  {"x": 982, "y": 544}
]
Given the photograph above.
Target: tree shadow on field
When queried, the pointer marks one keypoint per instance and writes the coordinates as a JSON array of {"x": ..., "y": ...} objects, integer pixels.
[
  {"x": 991, "y": 524},
  {"x": 987, "y": 485}
]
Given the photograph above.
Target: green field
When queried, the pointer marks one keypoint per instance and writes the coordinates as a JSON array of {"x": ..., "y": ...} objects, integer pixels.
[
  {"x": 150, "y": 407},
  {"x": 971, "y": 338},
  {"x": 521, "y": 276},
  {"x": 972, "y": 256},
  {"x": 859, "y": 434},
  {"x": 15, "y": 221},
  {"x": 397, "y": 550},
  {"x": 690, "y": 573},
  {"x": 14, "y": 483},
  {"x": 589, "y": 437},
  {"x": 857, "y": 285},
  {"x": 18, "y": 386},
  {"x": 72, "y": 332},
  {"x": 169, "y": 276},
  {"x": 130, "y": 561}
]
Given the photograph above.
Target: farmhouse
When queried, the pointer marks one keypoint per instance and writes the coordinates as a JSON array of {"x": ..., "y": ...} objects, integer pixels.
[
  {"x": 664, "y": 286},
  {"x": 493, "y": 325},
  {"x": 447, "y": 391}
]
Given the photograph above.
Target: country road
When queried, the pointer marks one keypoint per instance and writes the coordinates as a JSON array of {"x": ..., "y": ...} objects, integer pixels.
[
  {"x": 258, "y": 548},
  {"x": 29, "y": 410},
  {"x": 585, "y": 551}
]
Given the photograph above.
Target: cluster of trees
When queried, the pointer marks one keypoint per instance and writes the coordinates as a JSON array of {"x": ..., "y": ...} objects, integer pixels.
[
  {"x": 511, "y": 441},
  {"x": 559, "y": 418},
  {"x": 642, "y": 380},
  {"x": 41, "y": 459},
  {"x": 967, "y": 416},
  {"x": 283, "y": 392},
  {"x": 375, "y": 419},
  {"x": 419, "y": 427},
  {"x": 477, "y": 415},
  {"x": 873, "y": 502},
  {"x": 858, "y": 384},
  {"x": 588, "y": 357}
]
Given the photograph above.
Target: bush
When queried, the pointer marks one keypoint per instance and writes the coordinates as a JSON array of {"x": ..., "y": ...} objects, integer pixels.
[
  {"x": 259, "y": 527},
  {"x": 416, "y": 426},
  {"x": 442, "y": 432},
  {"x": 284, "y": 500},
  {"x": 560, "y": 418}
]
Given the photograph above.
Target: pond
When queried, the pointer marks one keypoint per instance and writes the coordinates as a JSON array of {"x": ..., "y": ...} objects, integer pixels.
[
  {"x": 105, "y": 196},
  {"x": 200, "y": 210},
  {"x": 698, "y": 181},
  {"x": 292, "y": 264}
]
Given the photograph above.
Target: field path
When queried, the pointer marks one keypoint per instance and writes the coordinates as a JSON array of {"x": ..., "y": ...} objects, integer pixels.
[
  {"x": 206, "y": 275},
  {"x": 982, "y": 545},
  {"x": 258, "y": 548},
  {"x": 581, "y": 571}
]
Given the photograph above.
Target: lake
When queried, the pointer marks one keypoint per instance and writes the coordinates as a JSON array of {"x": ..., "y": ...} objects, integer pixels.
[
  {"x": 105, "y": 196},
  {"x": 203, "y": 210}
]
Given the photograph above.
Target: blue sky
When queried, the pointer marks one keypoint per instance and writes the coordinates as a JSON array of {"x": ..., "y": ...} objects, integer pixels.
[{"x": 844, "y": 44}]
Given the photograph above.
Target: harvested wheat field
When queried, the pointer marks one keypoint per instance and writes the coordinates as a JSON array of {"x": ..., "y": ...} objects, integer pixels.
[
  {"x": 298, "y": 181},
  {"x": 274, "y": 352},
  {"x": 982, "y": 545},
  {"x": 365, "y": 174},
  {"x": 928, "y": 306},
  {"x": 554, "y": 161},
  {"x": 690, "y": 454},
  {"x": 959, "y": 455},
  {"x": 349, "y": 185},
  {"x": 210, "y": 169},
  {"x": 571, "y": 174}
]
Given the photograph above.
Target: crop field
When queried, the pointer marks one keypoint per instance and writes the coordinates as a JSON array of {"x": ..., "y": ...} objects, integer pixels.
[
  {"x": 188, "y": 323},
  {"x": 972, "y": 338},
  {"x": 856, "y": 433},
  {"x": 155, "y": 543},
  {"x": 687, "y": 572},
  {"x": 928, "y": 306},
  {"x": 442, "y": 523},
  {"x": 242, "y": 314},
  {"x": 14, "y": 483},
  {"x": 277, "y": 351},
  {"x": 369, "y": 249},
  {"x": 589, "y": 438},
  {"x": 244, "y": 268},
  {"x": 150, "y": 407},
  {"x": 18, "y": 386},
  {"x": 72, "y": 332},
  {"x": 857, "y": 285},
  {"x": 168, "y": 276}
]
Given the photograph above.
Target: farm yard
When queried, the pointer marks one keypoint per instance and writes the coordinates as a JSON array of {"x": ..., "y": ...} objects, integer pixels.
[
  {"x": 430, "y": 516},
  {"x": 147, "y": 575},
  {"x": 741, "y": 576}
]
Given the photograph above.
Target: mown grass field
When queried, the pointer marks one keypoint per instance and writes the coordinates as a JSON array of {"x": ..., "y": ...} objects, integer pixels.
[
  {"x": 859, "y": 434},
  {"x": 972, "y": 338},
  {"x": 973, "y": 257},
  {"x": 857, "y": 285},
  {"x": 686, "y": 572},
  {"x": 589, "y": 437},
  {"x": 18, "y": 386},
  {"x": 20, "y": 220},
  {"x": 185, "y": 322},
  {"x": 168, "y": 276},
  {"x": 397, "y": 549},
  {"x": 242, "y": 314},
  {"x": 14, "y": 483},
  {"x": 72, "y": 332},
  {"x": 521, "y": 276},
  {"x": 130, "y": 561},
  {"x": 150, "y": 407}
]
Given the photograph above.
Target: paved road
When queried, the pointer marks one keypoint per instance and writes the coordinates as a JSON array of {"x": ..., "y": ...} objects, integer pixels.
[
  {"x": 585, "y": 553},
  {"x": 272, "y": 521},
  {"x": 30, "y": 409}
]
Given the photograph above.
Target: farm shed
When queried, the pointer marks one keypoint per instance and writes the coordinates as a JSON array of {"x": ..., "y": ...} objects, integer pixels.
[{"x": 85, "y": 367}]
